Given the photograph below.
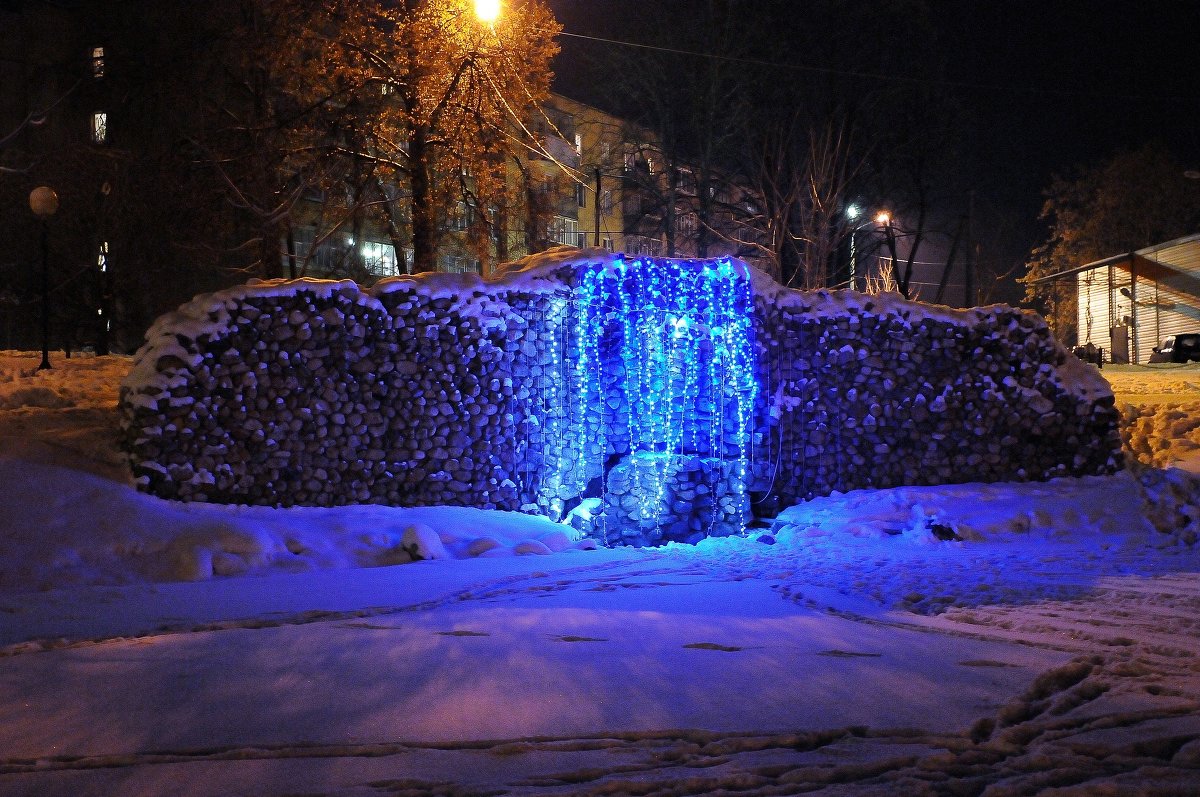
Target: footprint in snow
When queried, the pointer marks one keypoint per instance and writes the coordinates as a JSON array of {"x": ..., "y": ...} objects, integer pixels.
[
  {"x": 462, "y": 633},
  {"x": 713, "y": 646},
  {"x": 986, "y": 663},
  {"x": 849, "y": 654},
  {"x": 570, "y": 638}
]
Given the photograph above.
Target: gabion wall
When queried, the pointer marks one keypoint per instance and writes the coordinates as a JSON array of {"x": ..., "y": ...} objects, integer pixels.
[
  {"x": 450, "y": 390},
  {"x": 879, "y": 393}
]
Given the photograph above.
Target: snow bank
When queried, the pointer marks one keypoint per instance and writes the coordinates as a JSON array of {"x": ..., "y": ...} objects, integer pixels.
[
  {"x": 1163, "y": 434},
  {"x": 64, "y": 527},
  {"x": 929, "y": 549},
  {"x": 81, "y": 381}
]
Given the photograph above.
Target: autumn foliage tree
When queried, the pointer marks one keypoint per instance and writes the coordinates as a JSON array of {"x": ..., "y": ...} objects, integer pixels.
[
  {"x": 1133, "y": 200},
  {"x": 405, "y": 111}
]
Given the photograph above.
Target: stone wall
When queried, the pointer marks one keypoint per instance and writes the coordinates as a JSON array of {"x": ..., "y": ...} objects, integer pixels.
[
  {"x": 515, "y": 394},
  {"x": 874, "y": 392}
]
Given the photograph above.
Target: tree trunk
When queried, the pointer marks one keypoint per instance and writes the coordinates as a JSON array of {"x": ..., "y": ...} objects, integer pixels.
[{"x": 424, "y": 214}]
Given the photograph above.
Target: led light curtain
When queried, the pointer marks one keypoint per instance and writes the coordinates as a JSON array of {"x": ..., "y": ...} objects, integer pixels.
[{"x": 679, "y": 336}]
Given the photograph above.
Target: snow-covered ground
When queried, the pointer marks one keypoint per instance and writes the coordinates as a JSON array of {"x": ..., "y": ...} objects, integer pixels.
[{"x": 161, "y": 648}]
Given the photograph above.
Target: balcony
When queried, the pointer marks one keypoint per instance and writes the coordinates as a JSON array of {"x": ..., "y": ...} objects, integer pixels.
[{"x": 561, "y": 151}]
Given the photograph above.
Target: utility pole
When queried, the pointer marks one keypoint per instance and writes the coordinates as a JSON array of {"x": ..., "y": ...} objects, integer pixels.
[
  {"x": 969, "y": 299},
  {"x": 596, "y": 209}
]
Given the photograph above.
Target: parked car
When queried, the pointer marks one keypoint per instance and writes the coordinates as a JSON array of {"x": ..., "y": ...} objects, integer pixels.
[{"x": 1178, "y": 349}]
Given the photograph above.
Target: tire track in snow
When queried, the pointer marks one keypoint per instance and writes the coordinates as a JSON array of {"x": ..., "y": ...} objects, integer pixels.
[{"x": 596, "y": 576}]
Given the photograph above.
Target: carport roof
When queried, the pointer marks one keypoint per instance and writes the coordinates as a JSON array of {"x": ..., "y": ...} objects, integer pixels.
[{"x": 1152, "y": 262}]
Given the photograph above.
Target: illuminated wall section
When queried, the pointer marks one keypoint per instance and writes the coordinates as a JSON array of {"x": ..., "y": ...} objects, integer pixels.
[{"x": 660, "y": 370}]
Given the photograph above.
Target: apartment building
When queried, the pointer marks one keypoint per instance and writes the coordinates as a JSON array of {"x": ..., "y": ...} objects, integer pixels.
[{"x": 145, "y": 222}]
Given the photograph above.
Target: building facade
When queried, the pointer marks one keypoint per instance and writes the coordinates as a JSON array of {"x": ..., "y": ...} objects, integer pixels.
[
  {"x": 587, "y": 179},
  {"x": 1127, "y": 304},
  {"x": 116, "y": 107}
]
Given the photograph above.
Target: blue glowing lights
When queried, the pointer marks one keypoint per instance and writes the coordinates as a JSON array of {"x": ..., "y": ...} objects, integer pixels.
[{"x": 658, "y": 368}]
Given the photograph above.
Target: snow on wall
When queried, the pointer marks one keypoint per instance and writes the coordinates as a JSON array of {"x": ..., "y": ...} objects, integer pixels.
[
  {"x": 873, "y": 391},
  {"x": 448, "y": 389}
]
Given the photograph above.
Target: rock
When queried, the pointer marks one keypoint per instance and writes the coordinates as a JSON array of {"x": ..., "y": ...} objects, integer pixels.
[
  {"x": 482, "y": 545},
  {"x": 422, "y": 542},
  {"x": 531, "y": 547},
  {"x": 944, "y": 533}
]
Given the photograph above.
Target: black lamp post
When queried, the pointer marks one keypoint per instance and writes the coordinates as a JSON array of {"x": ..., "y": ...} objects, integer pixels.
[{"x": 44, "y": 204}]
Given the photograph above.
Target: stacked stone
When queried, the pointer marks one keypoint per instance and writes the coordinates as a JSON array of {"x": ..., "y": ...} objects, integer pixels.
[
  {"x": 432, "y": 392},
  {"x": 283, "y": 406},
  {"x": 305, "y": 400},
  {"x": 700, "y": 497},
  {"x": 881, "y": 399},
  {"x": 452, "y": 439}
]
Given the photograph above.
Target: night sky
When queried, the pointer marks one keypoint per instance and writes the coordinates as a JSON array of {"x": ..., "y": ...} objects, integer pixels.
[{"x": 1043, "y": 85}]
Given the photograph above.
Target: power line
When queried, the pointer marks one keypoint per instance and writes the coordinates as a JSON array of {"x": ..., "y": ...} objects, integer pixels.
[{"x": 961, "y": 84}]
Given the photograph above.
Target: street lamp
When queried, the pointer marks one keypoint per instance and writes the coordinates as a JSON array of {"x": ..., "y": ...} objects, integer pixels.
[
  {"x": 889, "y": 236},
  {"x": 487, "y": 10},
  {"x": 44, "y": 204},
  {"x": 854, "y": 213}
]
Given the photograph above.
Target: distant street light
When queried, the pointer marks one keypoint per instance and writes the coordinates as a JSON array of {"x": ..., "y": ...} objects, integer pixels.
[
  {"x": 44, "y": 204},
  {"x": 487, "y": 10},
  {"x": 1192, "y": 174},
  {"x": 853, "y": 213}
]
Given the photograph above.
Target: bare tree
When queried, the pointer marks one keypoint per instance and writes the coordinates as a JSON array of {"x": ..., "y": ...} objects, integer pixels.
[{"x": 684, "y": 127}]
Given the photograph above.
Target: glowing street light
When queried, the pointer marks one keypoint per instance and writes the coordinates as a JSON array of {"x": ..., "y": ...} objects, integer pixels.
[
  {"x": 884, "y": 218},
  {"x": 487, "y": 10},
  {"x": 853, "y": 214}
]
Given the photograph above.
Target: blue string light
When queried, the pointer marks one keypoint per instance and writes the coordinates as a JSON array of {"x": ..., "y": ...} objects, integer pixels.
[{"x": 686, "y": 365}]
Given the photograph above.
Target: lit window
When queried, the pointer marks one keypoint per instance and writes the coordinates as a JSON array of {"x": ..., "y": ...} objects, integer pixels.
[
  {"x": 606, "y": 202},
  {"x": 97, "y": 62},
  {"x": 462, "y": 218},
  {"x": 566, "y": 231},
  {"x": 578, "y": 144},
  {"x": 379, "y": 258},
  {"x": 454, "y": 264},
  {"x": 102, "y": 257},
  {"x": 100, "y": 127}
]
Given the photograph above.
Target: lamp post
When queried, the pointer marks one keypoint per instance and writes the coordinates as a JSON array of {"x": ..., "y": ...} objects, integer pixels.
[
  {"x": 884, "y": 219},
  {"x": 597, "y": 206},
  {"x": 44, "y": 204},
  {"x": 853, "y": 213}
]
